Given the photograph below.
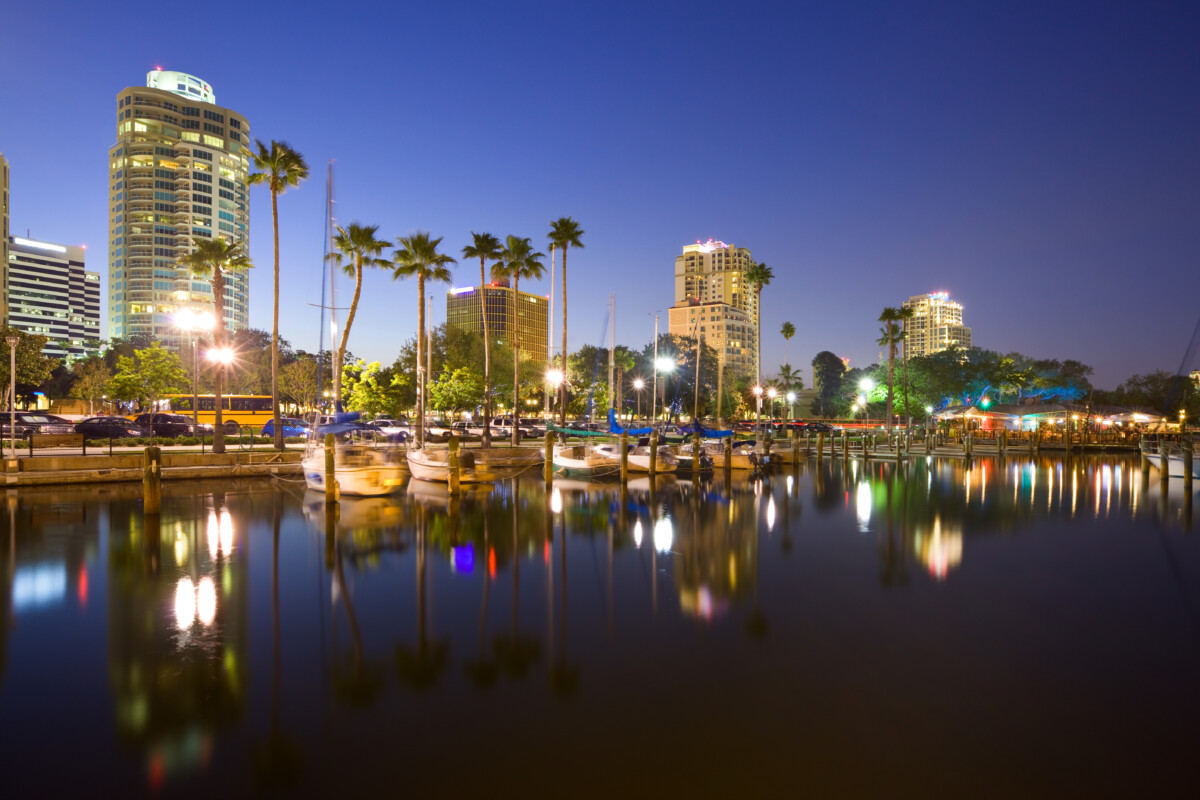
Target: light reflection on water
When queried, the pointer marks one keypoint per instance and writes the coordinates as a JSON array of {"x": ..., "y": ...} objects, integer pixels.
[{"x": 253, "y": 635}]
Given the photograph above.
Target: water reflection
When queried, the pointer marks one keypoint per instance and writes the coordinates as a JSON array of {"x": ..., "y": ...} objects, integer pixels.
[{"x": 604, "y": 585}]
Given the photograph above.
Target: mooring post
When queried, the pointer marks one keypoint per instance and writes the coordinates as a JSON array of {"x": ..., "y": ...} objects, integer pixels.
[
  {"x": 653, "y": 455},
  {"x": 624, "y": 460},
  {"x": 1187, "y": 446},
  {"x": 548, "y": 456},
  {"x": 454, "y": 474},
  {"x": 152, "y": 480},
  {"x": 820, "y": 446},
  {"x": 1164, "y": 463},
  {"x": 331, "y": 487},
  {"x": 727, "y": 450},
  {"x": 845, "y": 446},
  {"x": 795, "y": 449},
  {"x": 696, "y": 458}
]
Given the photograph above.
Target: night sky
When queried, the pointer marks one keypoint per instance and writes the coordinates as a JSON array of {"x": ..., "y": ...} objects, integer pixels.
[{"x": 1039, "y": 161}]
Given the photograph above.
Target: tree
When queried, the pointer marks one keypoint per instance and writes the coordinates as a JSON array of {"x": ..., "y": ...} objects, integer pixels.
[
  {"x": 211, "y": 259},
  {"x": 369, "y": 389},
  {"x": 279, "y": 168},
  {"x": 890, "y": 335},
  {"x": 485, "y": 247},
  {"x": 457, "y": 389},
  {"x": 417, "y": 256},
  {"x": 787, "y": 331},
  {"x": 564, "y": 233},
  {"x": 149, "y": 375},
  {"x": 33, "y": 368},
  {"x": 299, "y": 381},
  {"x": 357, "y": 248},
  {"x": 756, "y": 276},
  {"x": 906, "y": 313},
  {"x": 91, "y": 381},
  {"x": 519, "y": 260},
  {"x": 829, "y": 372}
]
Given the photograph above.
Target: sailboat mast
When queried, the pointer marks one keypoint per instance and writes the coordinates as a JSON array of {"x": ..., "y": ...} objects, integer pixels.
[
  {"x": 612, "y": 348},
  {"x": 335, "y": 367}
]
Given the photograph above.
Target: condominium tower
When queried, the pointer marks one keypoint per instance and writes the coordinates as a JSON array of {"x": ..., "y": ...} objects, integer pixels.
[
  {"x": 176, "y": 173},
  {"x": 936, "y": 324},
  {"x": 51, "y": 294},
  {"x": 713, "y": 301},
  {"x": 529, "y": 329}
]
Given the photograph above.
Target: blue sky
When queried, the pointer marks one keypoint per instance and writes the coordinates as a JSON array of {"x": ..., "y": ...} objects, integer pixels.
[{"x": 1036, "y": 160}]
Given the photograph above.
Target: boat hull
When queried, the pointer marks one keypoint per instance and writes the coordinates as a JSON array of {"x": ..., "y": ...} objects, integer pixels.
[
  {"x": 431, "y": 465},
  {"x": 1175, "y": 467},
  {"x": 363, "y": 481}
]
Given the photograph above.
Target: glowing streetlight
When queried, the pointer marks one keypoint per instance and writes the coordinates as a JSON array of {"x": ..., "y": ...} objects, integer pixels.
[
  {"x": 662, "y": 364},
  {"x": 791, "y": 398},
  {"x": 193, "y": 321},
  {"x": 638, "y": 385},
  {"x": 772, "y": 393},
  {"x": 758, "y": 393}
]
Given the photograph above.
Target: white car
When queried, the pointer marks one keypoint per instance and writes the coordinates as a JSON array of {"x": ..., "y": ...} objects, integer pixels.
[{"x": 391, "y": 427}]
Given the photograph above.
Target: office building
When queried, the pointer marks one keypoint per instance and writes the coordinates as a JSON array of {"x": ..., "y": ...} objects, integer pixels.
[
  {"x": 532, "y": 322},
  {"x": 713, "y": 301},
  {"x": 176, "y": 173},
  {"x": 51, "y": 294},
  {"x": 936, "y": 324},
  {"x": 3, "y": 240}
]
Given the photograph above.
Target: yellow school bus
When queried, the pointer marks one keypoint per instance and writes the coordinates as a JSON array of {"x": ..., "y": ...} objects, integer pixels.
[{"x": 243, "y": 409}]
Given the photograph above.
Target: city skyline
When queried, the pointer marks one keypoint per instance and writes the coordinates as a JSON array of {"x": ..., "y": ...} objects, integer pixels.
[{"x": 1034, "y": 162}]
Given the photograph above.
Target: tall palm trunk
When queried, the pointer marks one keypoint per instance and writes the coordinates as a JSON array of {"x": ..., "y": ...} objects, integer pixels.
[
  {"x": 516, "y": 430},
  {"x": 341, "y": 351},
  {"x": 487, "y": 358},
  {"x": 421, "y": 377},
  {"x": 563, "y": 386},
  {"x": 276, "y": 427},
  {"x": 891, "y": 374},
  {"x": 218, "y": 287}
]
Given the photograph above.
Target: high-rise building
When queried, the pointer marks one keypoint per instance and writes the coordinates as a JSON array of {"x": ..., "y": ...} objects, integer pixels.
[
  {"x": 3, "y": 240},
  {"x": 532, "y": 317},
  {"x": 713, "y": 301},
  {"x": 936, "y": 324},
  {"x": 51, "y": 294},
  {"x": 177, "y": 172}
]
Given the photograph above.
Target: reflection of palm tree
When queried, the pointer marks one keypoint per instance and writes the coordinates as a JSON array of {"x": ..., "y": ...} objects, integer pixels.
[
  {"x": 756, "y": 625},
  {"x": 420, "y": 669},
  {"x": 483, "y": 671},
  {"x": 514, "y": 652},
  {"x": 279, "y": 762},
  {"x": 564, "y": 679},
  {"x": 892, "y": 571},
  {"x": 361, "y": 684}
]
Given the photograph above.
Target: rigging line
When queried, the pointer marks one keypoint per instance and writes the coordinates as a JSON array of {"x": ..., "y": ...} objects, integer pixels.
[{"x": 1178, "y": 384}]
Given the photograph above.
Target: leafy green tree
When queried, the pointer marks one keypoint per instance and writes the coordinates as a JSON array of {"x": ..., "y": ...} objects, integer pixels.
[
  {"x": 829, "y": 372},
  {"x": 456, "y": 389},
  {"x": 368, "y": 388},
  {"x": 565, "y": 233},
  {"x": 33, "y": 368},
  {"x": 485, "y": 247},
  {"x": 519, "y": 261},
  {"x": 417, "y": 256},
  {"x": 278, "y": 168},
  {"x": 356, "y": 249},
  {"x": 211, "y": 259},
  {"x": 148, "y": 376},
  {"x": 298, "y": 381},
  {"x": 92, "y": 376}
]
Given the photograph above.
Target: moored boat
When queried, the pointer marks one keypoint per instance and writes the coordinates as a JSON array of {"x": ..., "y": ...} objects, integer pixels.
[
  {"x": 1175, "y": 462},
  {"x": 639, "y": 457},
  {"x": 430, "y": 464},
  {"x": 360, "y": 469},
  {"x": 582, "y": 459}
]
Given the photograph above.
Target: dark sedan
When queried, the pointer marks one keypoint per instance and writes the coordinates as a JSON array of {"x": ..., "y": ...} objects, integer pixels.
[
  {"x": 28, "y": 423},
  {"x": 167, "y": 425},
  {"x": 110, "y": 428}
]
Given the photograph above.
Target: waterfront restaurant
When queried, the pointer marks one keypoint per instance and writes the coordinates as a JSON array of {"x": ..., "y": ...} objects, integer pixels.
[{"x": 1025, "y": 417}]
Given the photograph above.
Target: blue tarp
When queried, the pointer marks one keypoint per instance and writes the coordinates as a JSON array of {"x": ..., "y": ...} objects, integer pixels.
[
  {"x": 696, "y": 427},
  {"x": 615, "y": 427}
]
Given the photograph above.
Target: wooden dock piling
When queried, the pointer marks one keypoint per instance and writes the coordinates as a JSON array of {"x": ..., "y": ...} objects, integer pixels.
[
  {"x": 454, "y": 469},
  {"x": 624, "y": 460},
  {"x": 152, "y": 480}
]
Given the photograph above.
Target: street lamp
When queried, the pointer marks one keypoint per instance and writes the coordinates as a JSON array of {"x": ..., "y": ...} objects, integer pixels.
[
  {"x": 866, "y": 385},
  {"x": 193, "y": 322},
  {"x": 758, "y": 392},
  {"x": 928, "y": 417},
  {"x": 638, "y": 385},
  {"x": 791, "y": 398},
  {"x": 660, "y": 365},
  {"x": 772, "y": 393},
  {"x": 223, "y": 357},
  {"x": 12, "y": 392},
  {"x": 554, "y": 377}
]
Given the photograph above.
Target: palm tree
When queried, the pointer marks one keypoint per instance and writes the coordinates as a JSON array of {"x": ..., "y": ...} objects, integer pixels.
[
  {"x": 756, "y": 276},
  {"x": 788, "y": 331},
  {"x": 358, "y": 245},
  {"x": 417, "y": 256},
  {"x": 211, "y": 259},
  {"x": 624, "y": 361},
  {"x": 890, "y": 335},
  {"x": 789, "y": 379},
  {"x": 280, "y": 167},
  {"x": 486, "y": 248},
  {"x": 518, "y": 260},
  {"x": 906, "y": 313},
  {"x": 564, "y": 233}
]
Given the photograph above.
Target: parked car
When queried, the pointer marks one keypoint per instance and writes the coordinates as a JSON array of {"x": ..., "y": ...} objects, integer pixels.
[
  {"x": 110, "y": 428},
  {"x": 816, "y": 427},
  {"x": 29, "y": 422},
  {"x": 291, "y": 427},
  {"x": 391, "y": 427},
  {"x": 168, "y": 425}
]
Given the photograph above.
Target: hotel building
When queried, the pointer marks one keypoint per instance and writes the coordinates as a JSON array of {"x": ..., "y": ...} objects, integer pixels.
[
  {"x": 51, "y": 294},
  {"x": 713, "y": 301},
  {"x": 936, "y": 324},
  {"x": 177, "y": 172},
  {"x": 532, "y": 323}
]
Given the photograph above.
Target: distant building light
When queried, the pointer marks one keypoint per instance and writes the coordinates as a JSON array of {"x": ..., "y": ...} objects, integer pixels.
[
  {"x": 39, "y": 245},
  {"x": 462, "y": 290}
]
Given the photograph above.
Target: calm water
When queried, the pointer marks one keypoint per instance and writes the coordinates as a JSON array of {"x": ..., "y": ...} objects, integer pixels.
[{"x": 1027, "y": 627}]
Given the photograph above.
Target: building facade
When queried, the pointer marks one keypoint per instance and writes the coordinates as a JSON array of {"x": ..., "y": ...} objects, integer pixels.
[
  {"x": 713, "y": 301},
  {"x": 3, "y": 240},
  {"x": 176, "y": 173},
  {"x": 51, "y": 294},
  {"x": 532, "y": 317},
  {"x": 936, "y": 325}
]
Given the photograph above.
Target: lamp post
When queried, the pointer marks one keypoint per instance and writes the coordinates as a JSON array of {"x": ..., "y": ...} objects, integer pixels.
[
  {"x": 791, "y": 398},
  {"x": 866, "y": 385},
  {"x": 758, "y": 392},
  {"x": 554, "y": 377},
  {"x": 12, "y": 393},
  {"x": 223, "y": 357},
  {"x": 663, "y": 364},
  {"x": 193, "y": 322},
  {"x": 928, "y": 418},
  {"x": 772, "y": 393},
  {"x": 638, "y": 385}
]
